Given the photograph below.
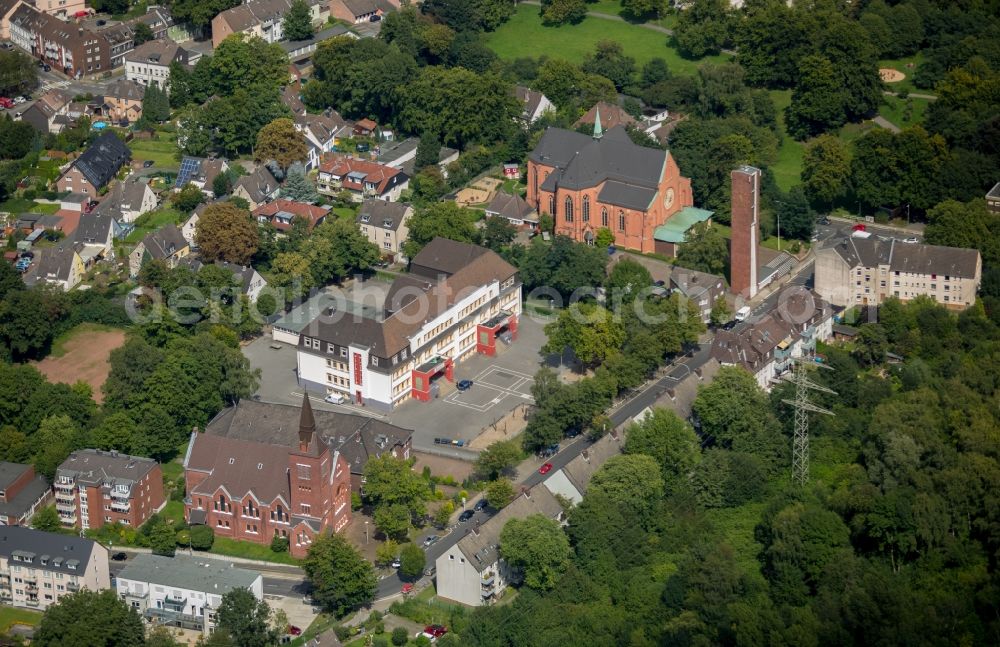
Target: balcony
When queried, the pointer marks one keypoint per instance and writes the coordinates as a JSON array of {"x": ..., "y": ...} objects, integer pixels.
[
  {"x": 183, "y": 620},
  {"x": 67, "y": 486},
  {"x": 72, "y": 587},
  {"x": 117, "y": 494},
  {"x": 120, "y": 507},
  {"x": 488, "y": 580},
  {"x": 63, "y": 506},
  {"x": 31, "y": 603}
]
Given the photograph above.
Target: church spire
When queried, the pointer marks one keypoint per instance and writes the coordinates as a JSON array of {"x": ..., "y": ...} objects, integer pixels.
[
  {"x": 307, "y": 423},
  {"x": 598, "y": 132}
]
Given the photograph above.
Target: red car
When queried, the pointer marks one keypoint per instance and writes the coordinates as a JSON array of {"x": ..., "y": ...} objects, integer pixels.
[
  {"x": 6, "y": 103},
  {"x": 858, "y": 227},
  {"x": 435, "y": 631},
  {"x": 545, "y": 469},
  {"x": 293, "y": 630}
]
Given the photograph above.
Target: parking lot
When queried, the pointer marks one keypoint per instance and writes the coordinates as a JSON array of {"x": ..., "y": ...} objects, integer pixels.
[{"x": 491, "y": 387}]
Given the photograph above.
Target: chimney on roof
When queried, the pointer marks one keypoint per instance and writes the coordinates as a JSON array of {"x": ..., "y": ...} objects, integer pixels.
[{"x": 307, "y": 423}]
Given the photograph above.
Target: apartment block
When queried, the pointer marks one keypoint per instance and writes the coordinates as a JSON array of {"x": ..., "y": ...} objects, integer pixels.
[
  {"x": 22, "y": 493},
  {"x": 37, "y": 568},
  {"x": 95, "y": 487}
]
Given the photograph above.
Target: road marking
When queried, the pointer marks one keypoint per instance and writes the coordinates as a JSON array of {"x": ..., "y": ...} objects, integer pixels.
[{"x": 52, "y": 85}]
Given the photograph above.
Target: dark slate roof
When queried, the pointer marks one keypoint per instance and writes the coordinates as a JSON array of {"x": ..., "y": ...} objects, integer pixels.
[
  {"x": 164, "y": 242},
  {"x": 55, "y": 262},
  {"x": 97, "y": 467},
  {"x": 509, "y": 205},
  {"x": 380, "y": 213},
  {"x": 101, "y": 161},
  {"x": 330, "y": 32},
  {"x": 582, "y": 161},
  {"x": 259, "y": 185},
  {"x": 124, "y": 89},
  {"x": 16, "y": 506},
  {"x": 59, "y": 551},
  {"x": 444, "y": 256},
  {"x": 94, "y": 228},
  {"x": 908, "y": 257},
  {"x": 629, "y": 196}
]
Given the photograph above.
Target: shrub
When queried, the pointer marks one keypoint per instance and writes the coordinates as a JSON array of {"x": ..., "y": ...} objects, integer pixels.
[
  {"x": 399, "y": 636},
  {"x": 202, "y": 537},
  {"x": 380, "y": 641},
  {"x": 279, "y": 544}
]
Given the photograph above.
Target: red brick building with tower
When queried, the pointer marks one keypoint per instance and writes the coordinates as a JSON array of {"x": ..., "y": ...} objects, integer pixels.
[
  {"x": 587, "y": 183},
  {"x": 263, "y": 470},
  {"x": 745, "y": 227}
]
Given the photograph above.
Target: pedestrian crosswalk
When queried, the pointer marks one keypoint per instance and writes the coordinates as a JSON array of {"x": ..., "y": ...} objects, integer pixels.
[{"x": 53, "y": 85}]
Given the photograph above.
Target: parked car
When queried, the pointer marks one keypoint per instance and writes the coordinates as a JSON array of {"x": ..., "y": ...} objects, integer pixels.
[
  {"x": 434, "y": 631},
  {"x": 101, "y": 22},
  {"x": 480, "y": 505},
  {"x": 293, "y": 630},
  {"x": 335, "y": 398},
  {"x": 147, "y": 163},
  {"x": 46, "y": 67},
  {"x": 396, "y": 563},
  {"x": 430, "y": 571},
  {"x": 911, "y": 239},
  {"x": 464, "y": 385},
  {"x": 6, "y": 102},
  {"x": 375, "y": 18},
  {"x": 18, "y": 100},
  {"x": 7, "y": 45},
  {"x": 430, "y": 541},
  {"x": 545, "y": 469},
  {"x": 465, "y": 516},
  {"x": 823, "y": 220},
  {"x": 119, "y": 557}
]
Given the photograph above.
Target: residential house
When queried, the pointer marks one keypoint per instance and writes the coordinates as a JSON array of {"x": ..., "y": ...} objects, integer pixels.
[
  {"x": 572, "y": 480},
  {"x": 166, "y": 244},
  {"x": 280, "y": 213},
  {"x": 384, "y": 224},
  {"x": 96, "y": 233},
  {"x": 262, "y": 18},
  {"x": 72, "y": 50},
  {"x": 866, "y": 271},
  {"x": 200, "y": 172},
  {"x": 261, "y": 471},
  {"x": 365, "y": 128},
  {"x": 96, "y": 167},
  {"x": 767, "y": 347},
  {"x": 61, "y": 266},
  {"x": 514, "y": 208},
  {"x": 605, "y": 181},
  {"x": 610, "y": 115},
  {"x": 44, "y": 114},
  {"x": 993, "y": 198},
  {"x": 62, "y": 9},
  {"x": 246, "y": 277},
  {"x": 149, "y": 63},
  {"x": 301, "y": 50},
  {"x": 189, "y": 229},
  {"x": 535, "y": 104},
  {"x": 402, "y": 154},
  {"x": 121, "y": 41},
  {"x": 123, "y": 101},
  {"x": 457, "y": 300},
  {"x": 321, "y": 133},
  {"x": 471, "y": 571},
  {"x": 700, "y": 288},
  {"x": 258, "y": 187},
  {"x": 95, "y": 487},
  {"x": 291, "y": 98},
  {"x": 361, "y": 179},
  {"x": 361, "y": 11},
  {"x": 38, "y": 568},
  {"x": 22, "y": 493},
  {"x": 128, "y": 200},
  {"x": 182, "y": 591}
]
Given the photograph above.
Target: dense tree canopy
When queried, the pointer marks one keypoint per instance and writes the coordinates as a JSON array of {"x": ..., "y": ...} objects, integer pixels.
[
  {"x": 227, "y": 233},
  {"x": 342, "y": 580},
  {"x": 90, "y": 619}
]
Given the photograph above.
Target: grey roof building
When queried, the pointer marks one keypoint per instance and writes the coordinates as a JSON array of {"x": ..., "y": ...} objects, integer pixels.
[
  {"x": 59, "y": 553},
  {"x": 190, "y": 573},
  {"x": 94, "y": 467},
  {"x": 512, "y": 207},
  {"x": 102, "y": 160},
  {"x": 386, "y": 215},
  {"x": 22, "y": 492}
]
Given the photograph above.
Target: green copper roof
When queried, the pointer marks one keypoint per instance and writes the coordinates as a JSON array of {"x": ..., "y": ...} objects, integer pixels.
[
  {"x": 674, "y": 229},
  {"x": 598, "y": 131}
]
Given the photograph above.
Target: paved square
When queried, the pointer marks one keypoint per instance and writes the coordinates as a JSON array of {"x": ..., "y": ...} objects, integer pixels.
[{"x": 491, "y": 388}]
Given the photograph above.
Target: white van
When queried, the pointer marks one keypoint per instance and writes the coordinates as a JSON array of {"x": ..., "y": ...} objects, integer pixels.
[{"x": 742, "y": 313}]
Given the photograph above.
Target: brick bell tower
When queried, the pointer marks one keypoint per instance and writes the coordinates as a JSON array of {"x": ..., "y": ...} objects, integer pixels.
[{"x": 745, "y": 227}]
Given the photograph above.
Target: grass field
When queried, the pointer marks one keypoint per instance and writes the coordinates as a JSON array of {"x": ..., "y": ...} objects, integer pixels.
[
  {"x": 524, "y": 35},
  {"x": 894, "y": 109},
  {"x": 263, "y": 552},
  {"x": 10, "y": 616},
  {"x": 788, "y": 169},
  {"x": 22, "y": 205},
  {"x": 902, "y": 65},
  {"x": 162, "y": 151},
  {"x": 344, "y": 213},
  {"x": 150, "y": 222},
  {"x": 83, "y": 354}
]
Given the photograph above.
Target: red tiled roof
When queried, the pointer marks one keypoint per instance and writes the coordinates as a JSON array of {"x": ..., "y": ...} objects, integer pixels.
[
  {"x": 313, "y": 213},
  {"x": 374, "y": 173},
  {"x": 70, "y": 220}
]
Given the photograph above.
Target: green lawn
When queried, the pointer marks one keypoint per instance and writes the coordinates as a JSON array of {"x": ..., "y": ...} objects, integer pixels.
[
  {"x": 150, "y": 222},
  {"x": 173, "y": 511},
  {"x": 172, "y": 470},
  {"x": 524, "y": 35},
  {"x": 894, "y": 109},
  {"x": 788, "y": 169},
  {"x": 901, "y": 64},
  {"x": 263, "y": 552},
  {"x": 162, "y": 151},
  {"x": 10, "y": 616},
  {"x": 344, "y": 213}
]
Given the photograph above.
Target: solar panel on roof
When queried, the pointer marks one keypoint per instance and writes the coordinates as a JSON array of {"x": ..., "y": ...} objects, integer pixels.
[{"x": 189, "y": 166}]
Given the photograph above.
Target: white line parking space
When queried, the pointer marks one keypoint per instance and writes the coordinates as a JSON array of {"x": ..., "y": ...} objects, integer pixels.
[{"x": 491, "y": 387}]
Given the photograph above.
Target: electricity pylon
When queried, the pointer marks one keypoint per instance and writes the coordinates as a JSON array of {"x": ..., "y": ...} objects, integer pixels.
[{"x": 802, "y": 406}]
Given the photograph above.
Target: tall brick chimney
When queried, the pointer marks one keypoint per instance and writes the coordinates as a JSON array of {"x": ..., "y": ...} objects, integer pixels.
[{"x": 745, "y": 226}]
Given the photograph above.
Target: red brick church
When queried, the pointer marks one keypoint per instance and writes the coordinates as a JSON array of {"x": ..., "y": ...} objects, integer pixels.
[{"x": 589, "y": 182}]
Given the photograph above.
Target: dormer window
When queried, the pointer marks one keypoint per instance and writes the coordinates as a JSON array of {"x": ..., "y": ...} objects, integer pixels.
[{"x": 365, "y": 218}]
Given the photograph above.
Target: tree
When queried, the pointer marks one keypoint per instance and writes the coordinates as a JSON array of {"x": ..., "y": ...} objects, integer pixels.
[
  {"x": 965, "y": 224},
  {"x": 18, "y": 73},
  {"x": 497, "y": 233},
  {"x": 342, "y": 579},
  {"x": 703, "y": 28},
  {"x": 227, "y": 233},
  {"x": 163, "y": 539},
  {"x": 246, "y": 618},
  {"x": 561, "y": 12},
  {"x": 243, "y": 62},
  {"x": 412, "y": 561},
  {"x": 626, "y": 281},
  {"x": 57, "y": 436},
  {"x": 826, "y": 169},
  {"x": 589, "y": 330},
  {"x": 428, "y": 151},
  {"x": 564, "y": 266},
  {"x": 538, "y": 548},
  {"x": 90, "y": 619},
  {"x": 633, "y": 481},
  {"x": 442, "y": 516},
  {"x": 499, "y": 493},
  {"x": 477, "y": 15},
  {"x": 298, "y": 21},
  {"x": 818, "y": 101},
  {"x": 160, "y": 636},
  {"x": 721, "y": 312},
  {"x": 801, "y": 540},
  {"x": 705, "y": 250},
  {"x": 400, "y": 636},
  {"x": 390, "y": 480},
  {"x": 386, "y": 552},
  {"x": 392, "y": 519},
  {"x": 16, "y": 138},
  {"x": 281, "y": 142},
  {"x": 188, "y": 198},
  {"x": 642, "y": 8},
  {"x": 499, "y": 458},
  {"x": 155, "y": 103},
  {"x": 897, "y": 169},
  {"x": 141, "y": 33},
  {"x": 337, "y": 248},
  {"x": 298, "y": 187},
  {"x": 609, "y": 60},
  {"x": 47, "y": 519},
  {"x": 795, "y": 215},
  {"x": 290, "y": 274},
  {"x": 445, "y": 219},
  {"x": 202, "y": 537},
  {"x": 732, "y": 408},
  {"x": 668, "y": 440}
]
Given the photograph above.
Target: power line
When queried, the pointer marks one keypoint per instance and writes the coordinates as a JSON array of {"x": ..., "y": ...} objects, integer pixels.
[{"x": 803, "y": 407}]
